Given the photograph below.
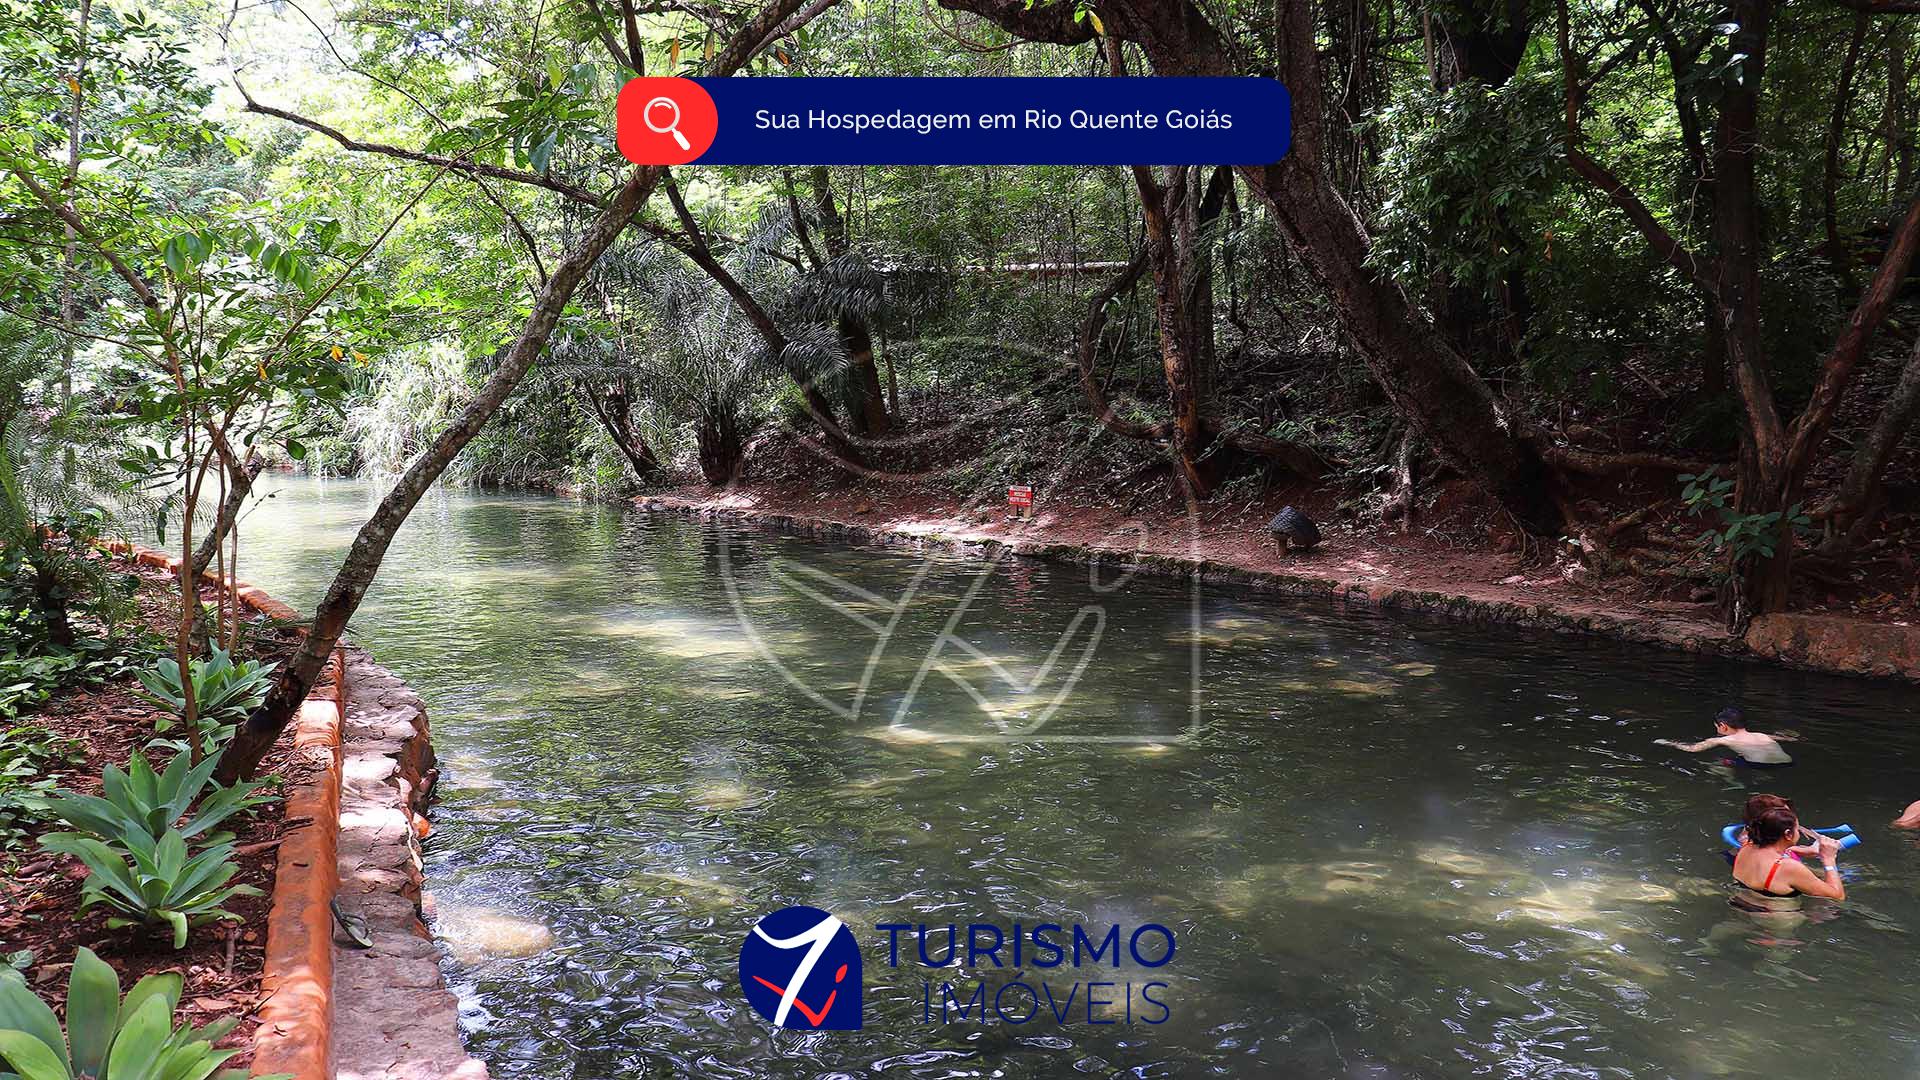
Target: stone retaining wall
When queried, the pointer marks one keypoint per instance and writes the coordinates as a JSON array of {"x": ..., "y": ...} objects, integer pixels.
[
  {"x": 297, "y": 984},
  {"x": 331, "y": 1010},
  {"x": 393, "y": 1016}
]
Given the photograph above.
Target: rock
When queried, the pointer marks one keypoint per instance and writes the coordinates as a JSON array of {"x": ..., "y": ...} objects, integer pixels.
[
  {"x": 1834, "y": 643},
  {"x": 477, "y": 934}
]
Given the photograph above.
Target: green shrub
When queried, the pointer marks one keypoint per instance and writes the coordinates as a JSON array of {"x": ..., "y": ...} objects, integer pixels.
[
  {"x": 223, "y": 694},
  {"x": 27, "y": 755},
  {"x": 133, "y": 839},
  {"x": 140, "y": 801},
  {"x": 154, "y": 882},
  {"x": 33, "y": 669},
  {"x": 108, "y": 1037}
]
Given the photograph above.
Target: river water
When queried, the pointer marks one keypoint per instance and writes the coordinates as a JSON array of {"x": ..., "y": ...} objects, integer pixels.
[{"x": 1387, "y": 848}]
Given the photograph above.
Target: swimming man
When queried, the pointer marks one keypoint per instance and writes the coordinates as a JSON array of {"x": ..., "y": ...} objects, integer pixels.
[{"x": 1749, "y": 747}]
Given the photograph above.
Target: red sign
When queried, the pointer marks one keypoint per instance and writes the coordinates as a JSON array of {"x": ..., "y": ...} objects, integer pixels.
[
  {"x": 664, "y": 121},
  {"x": 1019, "y": 495}
]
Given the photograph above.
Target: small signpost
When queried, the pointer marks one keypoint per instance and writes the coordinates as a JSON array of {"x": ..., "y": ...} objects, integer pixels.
[{"x": 1020, "y": 500}]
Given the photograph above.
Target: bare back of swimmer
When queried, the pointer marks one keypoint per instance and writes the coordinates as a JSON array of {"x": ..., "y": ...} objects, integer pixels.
[{"x": 1751, "y": 747}]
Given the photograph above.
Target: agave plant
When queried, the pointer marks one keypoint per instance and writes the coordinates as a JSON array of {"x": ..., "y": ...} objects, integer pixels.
[
  {"x": 140, "y": 801},
  {"x": 154, "y": 882},
  {"x": 223, "y": 694},
  {"x": 107, "y": 1037}
]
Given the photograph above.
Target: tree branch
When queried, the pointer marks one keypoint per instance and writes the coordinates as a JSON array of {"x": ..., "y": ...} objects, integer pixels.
[
  {"x": 1836, "y": 371},
  {"x": 460, "y": 165}
]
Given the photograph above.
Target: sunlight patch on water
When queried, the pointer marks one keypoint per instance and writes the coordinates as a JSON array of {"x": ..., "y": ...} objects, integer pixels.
[
  {"x": 725, "y": 795},
  {"x": 691, "y": 639}
]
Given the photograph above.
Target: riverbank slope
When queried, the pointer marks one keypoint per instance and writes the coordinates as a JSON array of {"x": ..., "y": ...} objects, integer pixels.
[{"x": 1427, "y": 574}]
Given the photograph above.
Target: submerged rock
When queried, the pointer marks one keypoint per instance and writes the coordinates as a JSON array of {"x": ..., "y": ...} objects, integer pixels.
[{"x": 475, "y": 935}]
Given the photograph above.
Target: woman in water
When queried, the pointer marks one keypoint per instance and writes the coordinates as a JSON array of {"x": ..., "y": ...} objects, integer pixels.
[
  {"x": 1760, "y": 804},
  {"x": 1769, "y": 870}
]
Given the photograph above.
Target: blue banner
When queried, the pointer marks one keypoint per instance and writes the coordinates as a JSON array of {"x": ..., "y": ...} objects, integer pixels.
[{"x": 994, "y": 121}]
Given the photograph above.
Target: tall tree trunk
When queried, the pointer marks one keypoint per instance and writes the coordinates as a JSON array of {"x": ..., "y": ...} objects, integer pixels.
[
  {"x": 869, "y": 409},
  {"x": 614, "y": 411},
  {"x": 1761, "y": 583},
  {"x": 1353, "y": 38},
  {"x": 1172, "y": 220},
  {"x": 69, "y": 180},
  {"x": 1900, "y": 126},
  {"x": 1836, "y": 135}
]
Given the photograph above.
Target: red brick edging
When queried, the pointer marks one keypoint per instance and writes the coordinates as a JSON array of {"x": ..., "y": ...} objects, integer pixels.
[{"x": 296, "y": 1016}]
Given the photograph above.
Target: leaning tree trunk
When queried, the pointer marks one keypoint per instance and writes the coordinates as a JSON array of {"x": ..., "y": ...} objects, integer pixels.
[
  {"x": 1427, "y": 381},
  {"x": 263, "y": 726},
  {"x": 614, "y": 411},
  {"x": 356, "y": 573},
  {"x": 240, "y": 485},
  {"x": 1858, "y": 501}
]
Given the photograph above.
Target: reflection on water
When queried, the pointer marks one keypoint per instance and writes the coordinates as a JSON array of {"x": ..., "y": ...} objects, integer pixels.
[{"x": 1393, "y": 851}]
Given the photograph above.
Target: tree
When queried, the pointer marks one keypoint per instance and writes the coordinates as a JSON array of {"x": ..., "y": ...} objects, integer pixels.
[
  {"x": 370, "y": 543},
  {"x": 1775, "y": 452},
  {"x": 1427, "y": 381}
]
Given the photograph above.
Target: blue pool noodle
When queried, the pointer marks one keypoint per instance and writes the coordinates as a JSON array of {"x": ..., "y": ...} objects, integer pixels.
[{"x": 1843, "y": 833}]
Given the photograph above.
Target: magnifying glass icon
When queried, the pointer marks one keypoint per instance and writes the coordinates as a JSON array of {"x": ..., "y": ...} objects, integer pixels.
[{"x": 671, "y": 127}]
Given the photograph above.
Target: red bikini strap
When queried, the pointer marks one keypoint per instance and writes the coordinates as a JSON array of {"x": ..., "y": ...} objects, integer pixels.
[{"x": 1767, "y": 885}]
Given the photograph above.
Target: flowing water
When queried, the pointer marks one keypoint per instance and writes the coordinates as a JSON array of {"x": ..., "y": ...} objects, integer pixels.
[{"x": 1390, "y": 849}]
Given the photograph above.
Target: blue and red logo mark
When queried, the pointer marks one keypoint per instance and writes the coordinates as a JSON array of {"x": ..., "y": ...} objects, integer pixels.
[{"x": 800, "y": 968}]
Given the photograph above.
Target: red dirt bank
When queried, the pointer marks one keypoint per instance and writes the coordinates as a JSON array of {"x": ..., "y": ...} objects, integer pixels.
[{"x": 1430, "y": 571}]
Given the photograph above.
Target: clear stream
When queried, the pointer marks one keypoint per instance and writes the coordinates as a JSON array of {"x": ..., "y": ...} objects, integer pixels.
[{"x": 1392, "y": 849}]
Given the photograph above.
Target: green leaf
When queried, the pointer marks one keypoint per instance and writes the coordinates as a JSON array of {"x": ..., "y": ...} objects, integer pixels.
[
  {"x": 137, "y": 1050},
  {"x": 542, "y": 155},
  {"x": 93, "y": 1011},
  {"x": 165, "y": 986},
  {"x": 31, "y": 1057},
  {"x": 22, "y": 1012}
]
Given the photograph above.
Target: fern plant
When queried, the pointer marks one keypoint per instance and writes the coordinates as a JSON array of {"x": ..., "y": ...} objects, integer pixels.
[{"x": 60, "y": 487}]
